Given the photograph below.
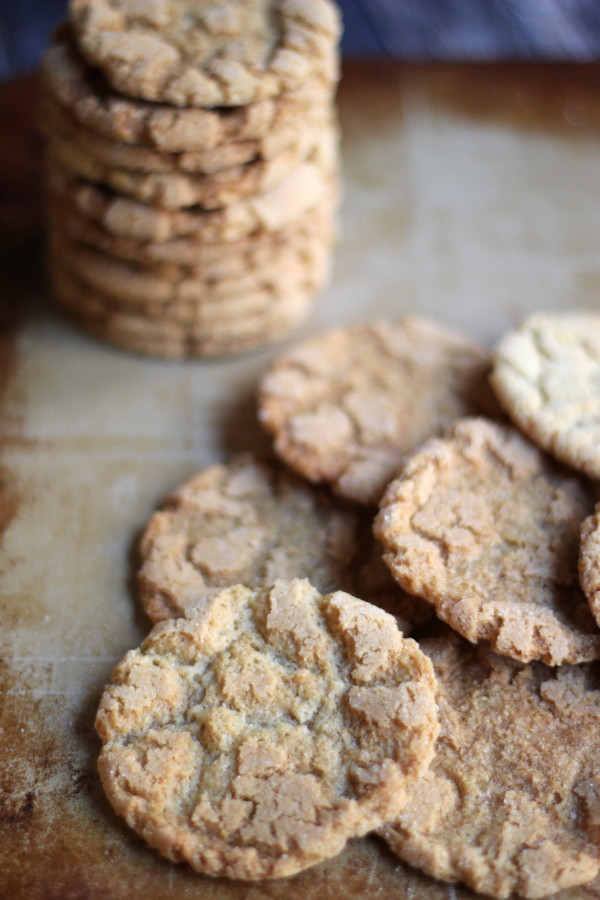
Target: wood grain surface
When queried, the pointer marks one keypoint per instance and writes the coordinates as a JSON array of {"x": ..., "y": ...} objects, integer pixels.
[{"x": 471, "y": 194}]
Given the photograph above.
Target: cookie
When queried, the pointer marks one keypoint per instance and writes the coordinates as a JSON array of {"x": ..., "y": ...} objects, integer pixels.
[
  {"x": 177, "y": 190},
  {"x": 258, "y": 733},
  {"x": 191, "y": 346},
  {"x": 216, "y": 259},
  {"x": 308, "y": 186},
  {"x": 547, "y": 376},
  {"x": 255, "y": 292},
  {"x": 589, "y": 561},
  {"x": 510, "y": 801},
  {"x": 485, "y": 527},
  {"x": 347, "y": 406},
  {"x": 253, "y": 521},
  {"x": 85, "y": 94},
  {"x": 292, "y": 137},
  {"x": 178, "y": 320},
  {"x": 150, "y": 287},
  {"x": 224, "y": 53},
  {"x": 198, "y": 331}
]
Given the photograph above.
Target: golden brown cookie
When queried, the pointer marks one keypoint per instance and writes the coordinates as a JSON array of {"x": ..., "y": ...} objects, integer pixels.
[
  {"x": 148, "y": 288},
  {"x": 305, "y": 188},
  {"x": 216, "y": 328},
  {"x": 293, "y": 136},
  {"x": 253, "y": 521},
  {"x": 254, "y": 736},
  {"x": 589, "y": 561},
  {"x": 547, "y": 376},
  {"x": 177, "y": 190},
  {"x": 510, "y": 802},
  {"x": 223, "y": 53},
  {"x": 193, "y": 346},
  {"x": 85, "y": 94},
  {"x": 209, "y": 314},
  {"x": 217, "y": 259},
  {"x": 346, "y": 407},
  {"x": 485, "y": 527}
]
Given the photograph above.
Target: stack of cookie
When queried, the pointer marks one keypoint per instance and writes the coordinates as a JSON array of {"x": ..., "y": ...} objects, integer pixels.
[{"x": 191, "y": 169}]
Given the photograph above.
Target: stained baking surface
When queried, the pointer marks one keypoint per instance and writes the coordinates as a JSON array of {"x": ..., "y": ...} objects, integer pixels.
[{"x": 470, "y": 196}]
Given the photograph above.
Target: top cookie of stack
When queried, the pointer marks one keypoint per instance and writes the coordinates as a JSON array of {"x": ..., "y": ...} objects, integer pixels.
[{"x": 191, "y": 169}]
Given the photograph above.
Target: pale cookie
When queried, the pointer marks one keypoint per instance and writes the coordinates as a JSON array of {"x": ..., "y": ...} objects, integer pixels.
[
  {"x": 219, "y": 53},
  {"x": 85, "y": 94},
  {"x": 159, "y": 320},
  {"x": 309, "y": 185},
  {"x": 177, "y": 190},
  {"x": 253, "y": 521},
  {"x": 216, "y": 259},
  {"x": 291, "y": 138},
  {"x": 511, "y": 800},
  {"x": 208, "y": 298},
  {"x": 485, "y": 527},
  {"x": 589, "y": 561},
  {"x": 347, "y": 406},
  {"x": 547, "y": 377},
  {"x": 256, "y": 735},
  {"x": 195, "y": 334},
  {"x": 200, "y": 347},
  {"x": 259, "y": 312},
  {"x": 149, "y": 288},
  {"x": 197, "y": 346}
]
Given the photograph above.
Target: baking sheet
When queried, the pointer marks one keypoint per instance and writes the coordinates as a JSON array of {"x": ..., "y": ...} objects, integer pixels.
[{"x": 471, "y": 194}]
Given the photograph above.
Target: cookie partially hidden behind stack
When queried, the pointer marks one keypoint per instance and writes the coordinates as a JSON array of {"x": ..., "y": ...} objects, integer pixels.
[{"x": 191, "y": 169}]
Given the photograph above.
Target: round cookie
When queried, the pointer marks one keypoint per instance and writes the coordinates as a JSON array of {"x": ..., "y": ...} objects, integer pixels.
[
  {"x": 199, "y": 345},
  {"x": 253, "y": 521},
  {"x": 188, "y": 332},
  {"x": 228, "y": 314},
  {"x": 485, "y": 527},
  {"x": 346, "y": 407},
  {"x": 192, "y": 300},
  {"x": 147, "y": 291},
  {"x": 589, "y": 561},
  {"x": 546, "y": 375},
  {"x": 223, "y": 53},
  {"x": 192, "y": 347},
  {"x": 308, "y": 186},
  {"x": 85, "y": 94},
  {"x": 510, "y": 801},
  {"x": 258, "y": 733},
  {"x": 291, "y": 137},
  {"x": 216, "y": 259},
  {"x": 265, "y": 312},
  {"x": 177, "y": 190}
]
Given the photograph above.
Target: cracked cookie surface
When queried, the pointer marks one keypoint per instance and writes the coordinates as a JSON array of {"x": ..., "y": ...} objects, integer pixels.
[
  {"x": 485, "y": 527},
  {"x": 546, "y": 375},
  {"x": 251, "y": 522},
  {"x": 589, "y": 561},
  {"x": 85, "y": 94},
  {"x": 215, "y": 328},
  {"x": 307, "y": 187},
  {"x": 217, "y": 260},
  {"x": 511, "y": 801},
  {"x": 346, "y": 407},
  {"x": 254, "y": 736},
  {"x": 224, "y": 53},
  {"x": 179, "y": 190},
  {"x": 171, "y": 288}
]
